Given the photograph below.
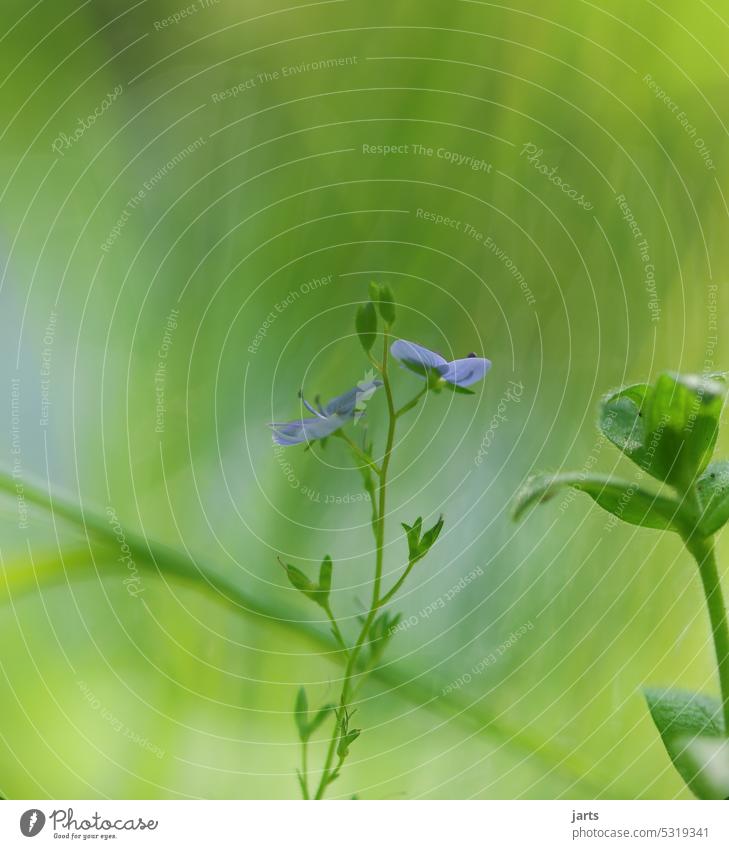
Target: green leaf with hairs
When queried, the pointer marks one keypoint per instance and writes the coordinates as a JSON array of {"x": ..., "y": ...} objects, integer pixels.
[
  {"x": 685, "y": 720},
  {"x": 623, "y": 499}
]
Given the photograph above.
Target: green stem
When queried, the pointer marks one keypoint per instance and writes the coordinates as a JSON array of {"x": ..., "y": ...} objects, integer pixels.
[
  {"x": 400, "y": 581},
  {"x": 392, "y": 422},
  {"x": 703, "y": 551},
  {"x": 337, "y": 633},
  {"x": 305, "y": 768},
  {"x": 412, "y": 403},
  {"x": 379, "y": 532},
  {"x": 358, "y": 452}
]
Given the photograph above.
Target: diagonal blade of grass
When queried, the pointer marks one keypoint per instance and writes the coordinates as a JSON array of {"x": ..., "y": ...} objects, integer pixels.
[{"x": 162, "y": 559}]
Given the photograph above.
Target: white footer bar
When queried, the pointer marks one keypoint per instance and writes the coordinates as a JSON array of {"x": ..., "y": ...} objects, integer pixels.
[{"x": 366, "y": 825}]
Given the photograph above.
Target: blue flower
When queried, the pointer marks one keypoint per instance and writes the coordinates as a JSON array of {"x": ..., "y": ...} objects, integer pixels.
[
  {"x": 326, "y": 420},
  {"x": 460, "y": 373}
]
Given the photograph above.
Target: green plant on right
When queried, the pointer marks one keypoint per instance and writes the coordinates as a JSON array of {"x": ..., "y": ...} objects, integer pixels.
[{"x": 669, "y": 429}]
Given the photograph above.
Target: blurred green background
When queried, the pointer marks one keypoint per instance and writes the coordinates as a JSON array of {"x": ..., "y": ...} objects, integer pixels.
[{"x": 224, "y": 170}]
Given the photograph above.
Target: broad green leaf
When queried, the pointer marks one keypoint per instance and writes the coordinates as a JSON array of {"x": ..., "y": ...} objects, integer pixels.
[
  {"x": 365, "y": 323},
  {"x": 681, "y": 717},
  {"x": 682, "y": 426},
  {"x": 713, "y": 492},
  {"x": 622, "y": 420},
  {"x": 621, "y": 498},
  {"x": 301, "y": 714},
  {"x": 668, "y": 429}
]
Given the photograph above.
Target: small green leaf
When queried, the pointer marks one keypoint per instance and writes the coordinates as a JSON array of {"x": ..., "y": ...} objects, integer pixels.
[
  {"x": 713, "y": 491},
  {"x": 413, "y": 536},
  {"x": 366, "y": 325},
  {"x": 325, "y": 580},
  {"x": 345, "y": 741},
  {"x": 301, "y": 714},
  {"x": 385, "y": 301},
  {"x": 621, "y": 498},
  {"x": 430, "y": 536},
  {"x": 299, "y": 580},
  {"x": 682, "y": 718}
]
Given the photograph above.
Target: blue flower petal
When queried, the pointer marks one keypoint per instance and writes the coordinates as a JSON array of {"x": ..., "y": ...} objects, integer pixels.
[
  {"x": 305, "y": 430},
  {"x": 336, "y": 414},
  {"x": 346, "y": 404},
  {"x": 466, "y": 371},
  {"x": 415, "y": 357}
]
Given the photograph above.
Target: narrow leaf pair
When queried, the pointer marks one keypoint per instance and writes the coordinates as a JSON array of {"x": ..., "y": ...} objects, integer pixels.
[
  {"x": 419, "y": 546},
  {"x": 317, "y": 592},
  {"x": 306, "y": 727}
]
